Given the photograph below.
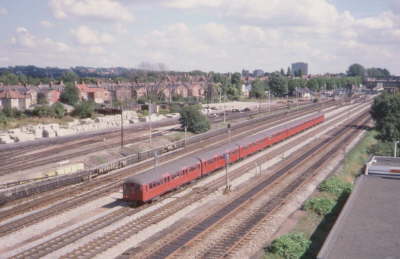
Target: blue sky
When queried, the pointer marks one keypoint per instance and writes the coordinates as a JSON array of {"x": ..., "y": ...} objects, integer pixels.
[{"x": 210, "y": 35}]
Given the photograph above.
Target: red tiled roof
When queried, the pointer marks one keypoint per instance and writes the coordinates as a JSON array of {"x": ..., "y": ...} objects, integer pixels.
[{"x": 9, "y": 94}]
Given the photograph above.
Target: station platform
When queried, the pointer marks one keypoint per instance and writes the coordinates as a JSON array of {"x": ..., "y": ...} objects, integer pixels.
[{"x": 369, "y": 224}]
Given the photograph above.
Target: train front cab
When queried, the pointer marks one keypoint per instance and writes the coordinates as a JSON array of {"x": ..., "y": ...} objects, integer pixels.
[
  {"x": 171, "y": 181},
  {"x": 132, "y": 192}
]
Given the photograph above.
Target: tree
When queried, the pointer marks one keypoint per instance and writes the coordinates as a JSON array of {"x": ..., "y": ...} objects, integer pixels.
[
  {"x": 58, "y": 109},
  {"x": 288, "y": 72},
  {"x": 356, "y": 70},
  {"x": 42, "y": 99},
  {"x": 236, "y": 78},
  {"x": 70, "y": 77},
  {"x": 70, "y": 95},
  {"x": 386, "y": 113},
  {"x": 282, "y": 72},
  {"x": 278, "y": 85},
  {"x": 193, "y": 119},
  {"x": 257, "y": 89},
  {"x": 84, "y": 109},
  {"x": 313, "y": 85},
  {"x": 378, "y": 72}
]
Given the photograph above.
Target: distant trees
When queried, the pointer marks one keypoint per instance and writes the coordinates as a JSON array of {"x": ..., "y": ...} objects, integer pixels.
[
  {"x": 258, "y": 89},
  {"x": 70, "y": 95},
  {"x": 378, "y": 72},
  {"x": 359, "y": 70},
  {"x": 386, "y": 113},
  {"x": 278, "y": 84},
  {"x": 70, "y": 77},
  {"x": 193, "y": 119},
  {"x": 356, "y": 70}
]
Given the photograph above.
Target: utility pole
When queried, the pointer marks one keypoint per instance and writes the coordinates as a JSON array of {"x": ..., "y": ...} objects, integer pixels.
[
  {"x": 185, "y": 134},
  {"x": 224, "y": 113},
  {"x": 269, "y": 100},
  {"x": 227, "y": 187},
  {"x": 155, "y": 160},
  {"x": 150, "y": 135},
  {"x": 122, "y": 128},
  {"x": 229, "y": 133},
  {"x": 395, "y": 148}
]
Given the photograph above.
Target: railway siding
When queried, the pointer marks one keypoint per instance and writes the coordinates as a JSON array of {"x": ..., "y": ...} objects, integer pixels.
[
  {"x": 169, "y": 249},
  {"x": 34, "y": 188}
]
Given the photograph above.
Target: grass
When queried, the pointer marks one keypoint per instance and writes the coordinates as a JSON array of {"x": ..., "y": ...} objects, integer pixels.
[
  {"x": 316, "y": 227},
  {"x": 19, "y": 122}
]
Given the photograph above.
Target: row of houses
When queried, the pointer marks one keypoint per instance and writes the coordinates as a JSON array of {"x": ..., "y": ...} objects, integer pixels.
[{"x": 24, "y": 97}]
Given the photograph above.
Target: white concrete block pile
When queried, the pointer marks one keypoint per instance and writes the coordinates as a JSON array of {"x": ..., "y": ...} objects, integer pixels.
[{"x": 76, "y": 126}]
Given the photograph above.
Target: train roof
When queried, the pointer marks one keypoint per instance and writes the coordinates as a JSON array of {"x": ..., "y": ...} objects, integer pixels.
[
  {"x": 269, "y": 132},
  {"x": 155, "y": 174},
  {"x": 208, "y": 154}
]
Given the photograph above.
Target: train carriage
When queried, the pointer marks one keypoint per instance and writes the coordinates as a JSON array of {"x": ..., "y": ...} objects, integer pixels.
[
  {"x": 157, "y": 181},
  {"x": 253, "y": 144},
  {"x": 214, "y": 159}
]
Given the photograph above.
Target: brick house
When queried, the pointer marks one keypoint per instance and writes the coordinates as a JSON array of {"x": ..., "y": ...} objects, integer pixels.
[
  {"x": 52, "y": 96},
  {"x": 13, "y": 99},
  {"x": 196, "y": 90},
  {"x": 95, "y": 94},
  {"x": 180, "y": 90}
]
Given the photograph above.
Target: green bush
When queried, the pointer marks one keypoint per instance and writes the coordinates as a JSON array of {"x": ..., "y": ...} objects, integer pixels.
[
  {"x": 12, "y": 112},
  {"x": 290, "y": 246},
  {"x": 58, "y": 110},
  {"x": 381, "y": 149},
  {"x": 321, "y": 206},
  {"x": 336, "y": 186},
  {"x": 193, "y": 119},
  {"x": 43, "y": 111},
  {"x": 84, "y": 109},
  {"x": 3, "y": 118}
]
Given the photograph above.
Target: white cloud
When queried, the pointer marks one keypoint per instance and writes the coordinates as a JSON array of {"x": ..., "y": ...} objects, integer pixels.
[
  {"x": 3, "y": 11},
  {"x": 96, "y": 50},
  {"x": 46, "y": 24},
  {"x": 100, "y": 9},
  {"x": 25, "y": 40},
  {"x": 86, "y": 36},
  {"x": 186, "y": 4},
  {"x": 216, "y": 32}
]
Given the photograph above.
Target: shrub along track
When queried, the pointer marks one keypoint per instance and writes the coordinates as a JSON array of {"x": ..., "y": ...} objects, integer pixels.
[
  {"x": 134, "y": 226},
  {"x": 103, "y": 186},
  {"x": 187, "y": 236}
]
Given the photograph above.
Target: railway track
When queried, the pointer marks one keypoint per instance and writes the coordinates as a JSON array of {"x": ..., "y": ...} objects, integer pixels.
[
  {"x": 35, "y": 160},
  {"x": 109, "y": 183},
  {"x": 132, "y": 227},
  {"x": 18, "y": 160},
  {"x": 232, "y": 241},
  {"x": 187, "y": 235}
]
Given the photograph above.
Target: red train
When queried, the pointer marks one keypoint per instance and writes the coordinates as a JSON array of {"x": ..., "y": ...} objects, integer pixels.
[{"x": 157, "y": 181}]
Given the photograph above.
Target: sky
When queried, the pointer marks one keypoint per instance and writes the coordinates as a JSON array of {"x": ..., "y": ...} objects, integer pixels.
[{"x": 208, "y": 35}]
